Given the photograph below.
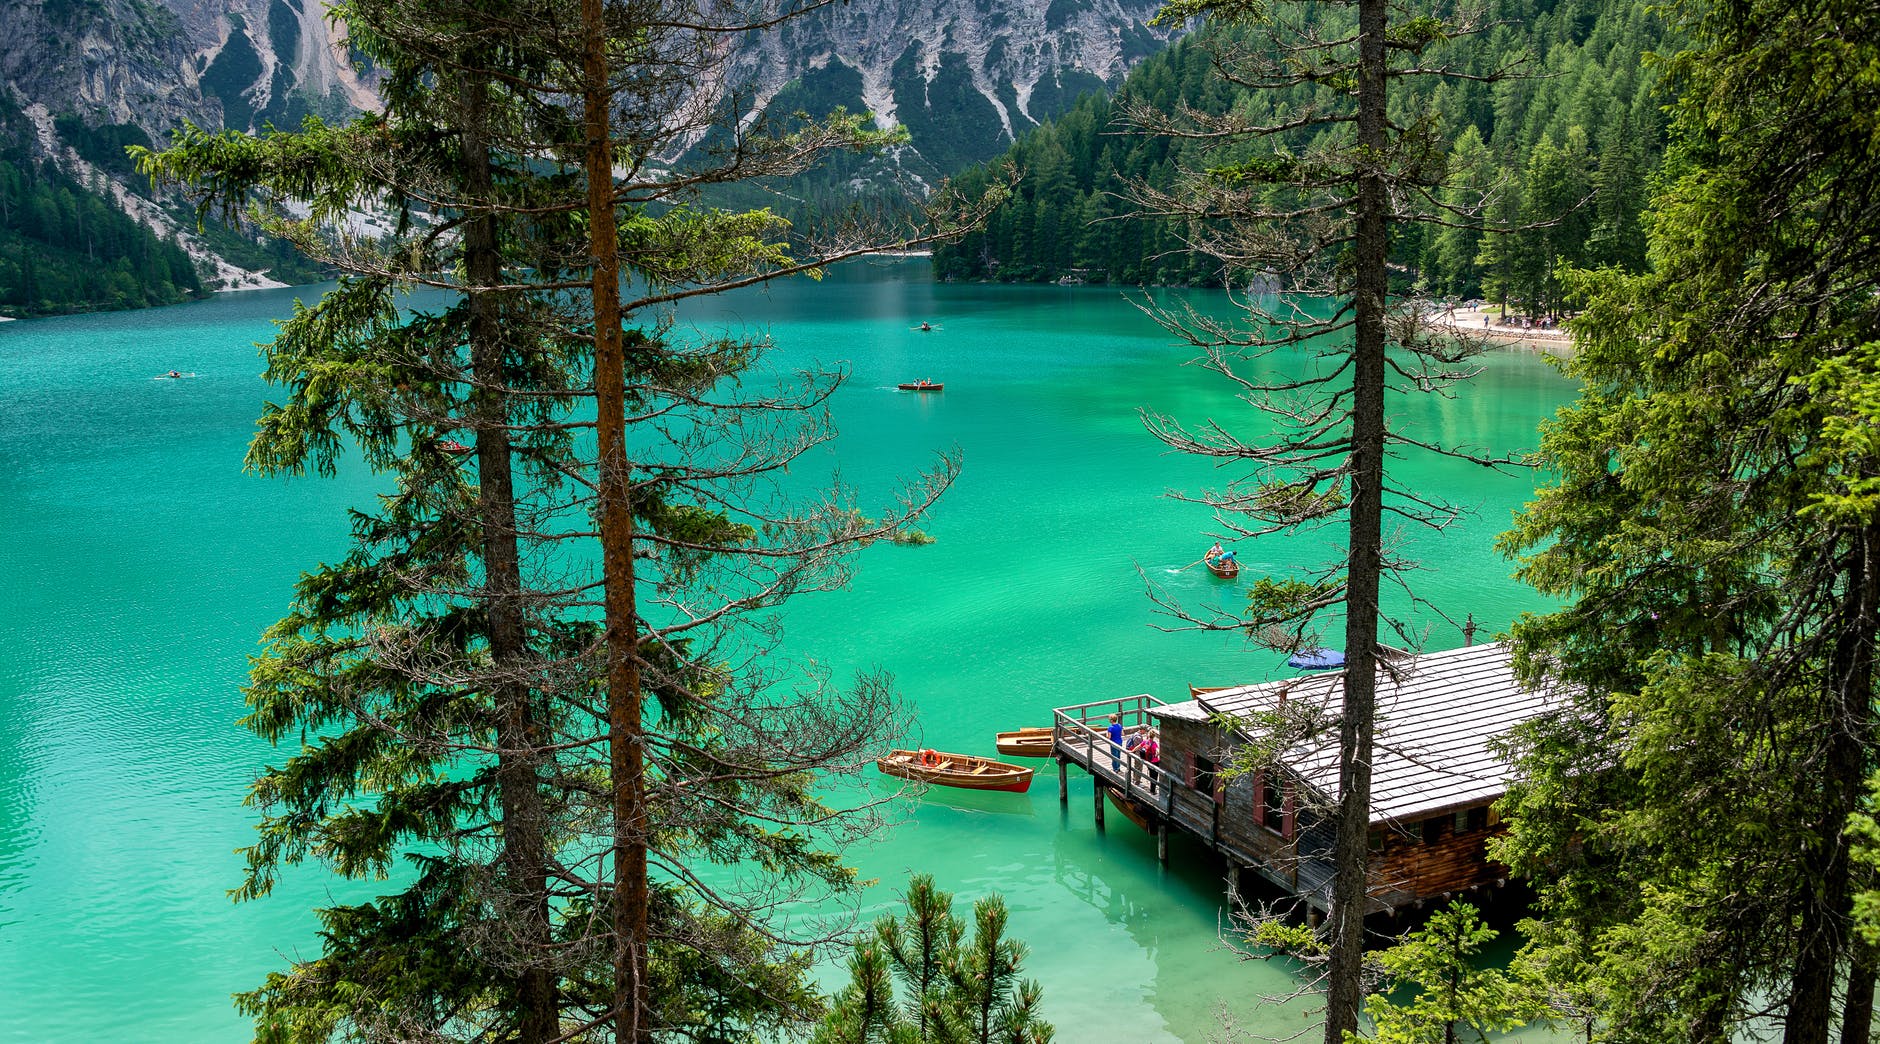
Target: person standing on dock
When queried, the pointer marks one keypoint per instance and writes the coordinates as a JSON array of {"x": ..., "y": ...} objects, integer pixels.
[
  {"x": 1116, "y": 741},
  {"x": 1150, "y": 750}
]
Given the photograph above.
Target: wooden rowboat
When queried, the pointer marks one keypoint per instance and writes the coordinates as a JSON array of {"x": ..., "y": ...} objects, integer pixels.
[
  {"x": 1034, "y": 742},
  {"x": 967, "y": 771},
  {"x": 921, "y": 385},
  {"x": 1226, "y": 570},
  {"x": 1131, "y": 811}
]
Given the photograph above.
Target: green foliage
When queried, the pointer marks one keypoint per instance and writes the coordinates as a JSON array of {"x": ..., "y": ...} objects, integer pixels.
[
  {"x": 102, "y": 146},
  {"x": 66, "y": 248},
  {"x": 947, "y": 114},
  {"x": 1442, "y": 962},
  {"x": 1293, "y": 940},
  {"x": 63, "y": 249},
  {"x": 1712, "y": 531},
  {"x": 1563, "y": 157},
  {"x": 443, "y": 692},
  {"x": 955, "y": 989},
  {"x": 1280, "y": 603}
]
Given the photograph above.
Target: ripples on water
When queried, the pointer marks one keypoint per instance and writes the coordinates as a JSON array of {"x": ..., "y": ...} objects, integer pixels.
[{"x": 139, "y": 566}]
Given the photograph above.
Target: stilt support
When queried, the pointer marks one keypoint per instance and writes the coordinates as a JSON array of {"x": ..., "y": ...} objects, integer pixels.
[
  {"x": 1097, "y": 789},
  {"x": 1064, "y": 781},
  {"x": 1161, "y": 841}
]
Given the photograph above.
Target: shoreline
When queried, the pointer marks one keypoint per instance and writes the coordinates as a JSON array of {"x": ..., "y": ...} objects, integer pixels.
[{"x": 1474, "y": 323}]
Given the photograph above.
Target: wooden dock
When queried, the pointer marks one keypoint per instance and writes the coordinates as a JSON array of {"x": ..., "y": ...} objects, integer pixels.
[
  {"x": 1164, "y": 799},
  {"x": 1436, "y": 774}
]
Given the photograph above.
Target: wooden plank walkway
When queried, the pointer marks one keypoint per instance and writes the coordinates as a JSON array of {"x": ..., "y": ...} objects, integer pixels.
[{"x": 1080, "y": 737}]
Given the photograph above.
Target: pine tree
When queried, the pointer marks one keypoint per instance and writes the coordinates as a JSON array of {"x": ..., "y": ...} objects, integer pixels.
[
  {"x": 956, "y": 988},
  {"x": 1306, "y": 198},
  {"x": 1715, "y": 535},
  {"x": 535, "y": 765},
  {"x": 1455, "y": 992}
]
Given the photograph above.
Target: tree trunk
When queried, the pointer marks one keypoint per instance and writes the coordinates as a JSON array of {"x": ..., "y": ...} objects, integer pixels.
[
  {"x": 1857, "y": 1012},
  {"x": 632, "y": 1001},
  {"x": 1364, "y": 565},
  {"x": 1823, "y": 919},
  {"x": 524, "y": 852}
]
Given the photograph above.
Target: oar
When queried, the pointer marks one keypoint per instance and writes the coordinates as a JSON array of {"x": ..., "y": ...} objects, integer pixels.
[{"x": 1192, "y": 564}]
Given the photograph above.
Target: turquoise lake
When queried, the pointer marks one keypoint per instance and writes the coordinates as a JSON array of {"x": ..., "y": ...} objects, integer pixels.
[{"x": 139, "y": 565}]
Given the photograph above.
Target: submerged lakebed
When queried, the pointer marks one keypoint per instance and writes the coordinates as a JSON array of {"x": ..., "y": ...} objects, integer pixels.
[{"x": 140, "y": 566}]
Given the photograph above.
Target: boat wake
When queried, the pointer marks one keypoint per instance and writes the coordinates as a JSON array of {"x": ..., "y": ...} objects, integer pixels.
[{"x": 173, "y": 375}]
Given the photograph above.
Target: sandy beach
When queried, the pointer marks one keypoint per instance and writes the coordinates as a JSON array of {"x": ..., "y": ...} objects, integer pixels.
[{"x": 1474, "y": 322}]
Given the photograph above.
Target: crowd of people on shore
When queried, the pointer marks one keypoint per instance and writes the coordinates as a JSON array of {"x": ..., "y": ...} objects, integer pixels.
[{"x": 1463, "y": 317}]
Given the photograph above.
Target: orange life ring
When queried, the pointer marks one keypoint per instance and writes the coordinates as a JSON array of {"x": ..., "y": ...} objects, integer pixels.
[{"x": 928, "y": 757}]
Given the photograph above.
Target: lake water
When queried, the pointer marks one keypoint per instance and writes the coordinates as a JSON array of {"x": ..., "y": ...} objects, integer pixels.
[{"x": 138, "y": 566}]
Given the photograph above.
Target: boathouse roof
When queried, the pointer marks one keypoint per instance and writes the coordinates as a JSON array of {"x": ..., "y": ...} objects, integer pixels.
[{"x": 1436, "y": 713}]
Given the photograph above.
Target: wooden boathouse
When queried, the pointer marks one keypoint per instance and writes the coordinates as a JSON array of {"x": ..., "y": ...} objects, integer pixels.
[{"x": 1434, "y": 777}]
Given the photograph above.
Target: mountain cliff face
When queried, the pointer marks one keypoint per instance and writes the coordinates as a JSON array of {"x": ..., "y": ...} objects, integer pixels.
[
  {"x": 964, "y": 76},
  {"x": 219, "y": 63}
]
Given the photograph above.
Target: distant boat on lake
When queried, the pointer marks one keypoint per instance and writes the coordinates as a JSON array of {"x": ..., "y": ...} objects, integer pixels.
[{"x": 922, "y": 385}]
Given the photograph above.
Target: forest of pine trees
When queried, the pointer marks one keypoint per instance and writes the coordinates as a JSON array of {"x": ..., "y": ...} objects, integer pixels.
[
  {"x": 1563, "y": 152},
  {"x": 63, "y": 249}
]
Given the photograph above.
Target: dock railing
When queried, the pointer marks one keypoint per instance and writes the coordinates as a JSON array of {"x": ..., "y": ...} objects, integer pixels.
[{"x": 1081, "y": 733}]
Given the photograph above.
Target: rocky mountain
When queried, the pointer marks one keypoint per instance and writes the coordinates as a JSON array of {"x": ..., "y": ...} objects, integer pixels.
[{"x": 964, "y": 76}]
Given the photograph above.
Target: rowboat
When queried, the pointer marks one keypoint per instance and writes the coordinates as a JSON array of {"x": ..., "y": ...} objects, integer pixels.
[
  {"x": 966, "y": 771},
  {"x": 1225, "y": 568},
  {"x": 1131, "y": 810},
  {"x": 1034, "y": 742},
  {"x": 921, "y": 385}
]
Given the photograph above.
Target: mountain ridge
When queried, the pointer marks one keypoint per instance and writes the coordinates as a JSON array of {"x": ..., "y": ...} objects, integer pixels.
[{"x": 965, "y": 77}]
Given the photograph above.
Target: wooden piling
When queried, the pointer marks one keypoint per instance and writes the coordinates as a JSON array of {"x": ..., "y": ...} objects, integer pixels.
[
  {"x": 1064, "y": 780},
  {"x": 1097, "y": 789}
]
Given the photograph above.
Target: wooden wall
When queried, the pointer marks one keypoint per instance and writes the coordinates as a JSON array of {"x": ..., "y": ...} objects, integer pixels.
[
  {"x": 1411, "y": 868},
  {"x": 1419, "y": 860}
]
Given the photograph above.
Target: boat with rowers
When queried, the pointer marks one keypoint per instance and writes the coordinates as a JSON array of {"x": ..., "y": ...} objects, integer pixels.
[
  {"x": 922, "y": 385},
  {"x": 966, "y": 771}
]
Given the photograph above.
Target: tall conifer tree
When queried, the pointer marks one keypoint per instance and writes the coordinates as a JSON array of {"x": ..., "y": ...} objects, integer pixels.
[
  {"x": 1301, "y": 200},
  {"x": 1715, "y": 530},
  {"x": 541, "y": 682}
]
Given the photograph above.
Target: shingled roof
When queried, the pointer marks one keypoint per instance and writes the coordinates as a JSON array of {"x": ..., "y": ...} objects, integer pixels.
[{"x": 1436, "y": 713}]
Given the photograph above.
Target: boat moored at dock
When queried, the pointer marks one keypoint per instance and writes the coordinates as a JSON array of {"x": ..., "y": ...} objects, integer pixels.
[{"x": 966, "y": 771}]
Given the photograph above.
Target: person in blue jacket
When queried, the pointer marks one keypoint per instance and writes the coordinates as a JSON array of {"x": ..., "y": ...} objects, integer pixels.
[{"x": 1116, "y": 741}]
